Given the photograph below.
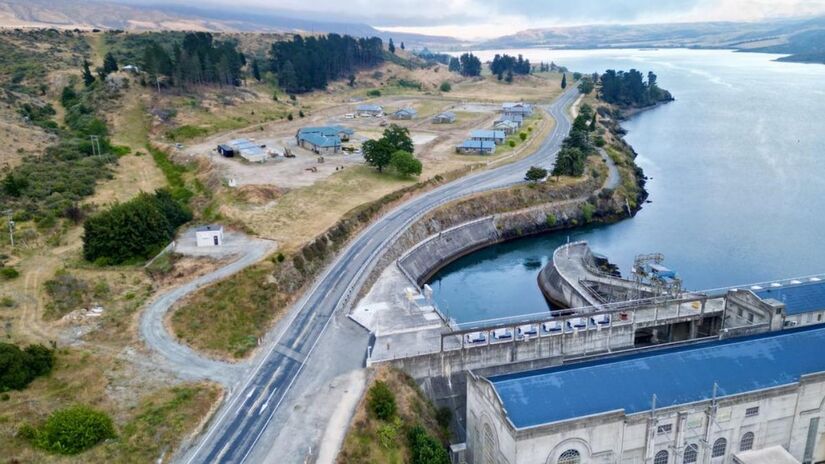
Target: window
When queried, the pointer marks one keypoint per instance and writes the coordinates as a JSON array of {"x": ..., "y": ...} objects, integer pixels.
[
  {"x": 746, "y": 443},
  {"x": 719, "y": 448},
  {"x": 664, "y": 429},
  {"x": 750, "y": 412},
  {"x": 691, "y": 454},
  {"x": 570, "y": 457},
  {"x": 489, "y": 448},
  {"x": 661, "y": 457}
]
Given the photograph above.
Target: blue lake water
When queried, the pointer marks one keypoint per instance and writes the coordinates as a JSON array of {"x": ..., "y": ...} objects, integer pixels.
[{"x": 737, "y": 168}]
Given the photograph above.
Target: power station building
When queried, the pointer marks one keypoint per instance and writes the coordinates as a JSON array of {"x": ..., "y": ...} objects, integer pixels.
[{"x": 703, "y": 402}]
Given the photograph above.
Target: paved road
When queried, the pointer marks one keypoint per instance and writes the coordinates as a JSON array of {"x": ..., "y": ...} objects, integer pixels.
[
  {"x": 234, "y": 433},
  {"x": 180, "y": 358}
]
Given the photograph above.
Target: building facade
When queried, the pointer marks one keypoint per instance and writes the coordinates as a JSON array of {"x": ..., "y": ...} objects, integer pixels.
[{"x": 700, "y": 403}]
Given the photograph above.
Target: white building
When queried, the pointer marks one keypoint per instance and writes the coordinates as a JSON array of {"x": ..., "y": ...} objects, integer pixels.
[
  {"x": 703, "y": 402},
  {"x": 209, "y": 235}
]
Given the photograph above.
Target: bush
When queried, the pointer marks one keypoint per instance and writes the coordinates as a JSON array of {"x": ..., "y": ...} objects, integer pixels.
[
  {"x": 381, "y": 401},
  {"x": 522, "y": 136},
  {"x": 424, "y": 449},
  {"x": 373, "y": 93},
  {"x": 512, "y": 143},
  {"x": 444, "y": 416},
  {"x": 72, "y": 430},
  {"x": 551, "y": 220},
  {"x": 445, "y": 87},
  {"x": 535, "y": 174},
  {"x": 18, "y": 368},
  {"x": 185, "y": 132},
  {"x": 587, "y": 211},
  {"x": 405, "y": 164},
  {"x": 9, "y": 273}
]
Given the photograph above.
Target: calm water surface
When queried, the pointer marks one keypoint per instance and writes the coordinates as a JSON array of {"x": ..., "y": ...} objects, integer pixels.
[{"x": 737, "y": 170}]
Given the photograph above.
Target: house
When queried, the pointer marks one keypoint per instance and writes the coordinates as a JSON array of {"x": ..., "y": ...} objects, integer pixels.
[
  {"x": 495, "y": 136},
  {"x": 209, "y": 235},
  {"x": 480, "y": 147},
  {"x": 520, "y": 108},
  {"x": 695, "y": 403},
  {"x": 323, "y": 139},
  {"x": 404, "y": 113},
  {"x": 447, "y": 117},
  {"x": 248, "y": 150},
  {"x": 508, "y": 127},
  {"x": 369, "y": 111},
  {"x": 513, "y": 117}
]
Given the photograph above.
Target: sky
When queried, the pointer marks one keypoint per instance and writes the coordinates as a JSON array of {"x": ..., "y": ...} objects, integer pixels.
[{"x": 477, "y": 19}]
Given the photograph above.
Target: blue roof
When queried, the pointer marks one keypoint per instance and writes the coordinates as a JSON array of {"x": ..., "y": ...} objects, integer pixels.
[
  {"x": 325, "y": 130},
  {"x": 799, "y": 298},
  {"x": 367, "y": 107},
  {"x": 320, "y": 140},
  {"x": 487, "y": 134},
  {"x": 477, "y": 144},
  {"x": 676, "y": 376}
]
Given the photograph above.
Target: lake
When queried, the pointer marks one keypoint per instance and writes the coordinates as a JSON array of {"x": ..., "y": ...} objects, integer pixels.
[{"x": 737, "y": 181}]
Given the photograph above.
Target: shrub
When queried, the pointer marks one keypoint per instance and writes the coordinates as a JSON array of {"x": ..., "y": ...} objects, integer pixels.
[
  {"x": 18, "y": 368},
  {"x": 381, "y": 401},
  {"x": 289, "y": 117},
  {"x": 424, "y": 449},
  {"x": 373, "y": 93},
  {"x": 445, "y": 87},
  {"x": 551, "y": 220},
  {"x": 7, "y": 302},
  {"x": 522, "y": 136},
  {"x": 512, "y": 143},
  {"x": 9, "y": 273},
  {"x": 66, "y": 293},
  {"x": 405, "y": 164},
  {"x": 185, "y": 132},
  {"x": 73, "y": 429},
  {"x": 444, "y": 416},
  {"x": 535, "y": 174},
  {"x": 587, "y": 211}
]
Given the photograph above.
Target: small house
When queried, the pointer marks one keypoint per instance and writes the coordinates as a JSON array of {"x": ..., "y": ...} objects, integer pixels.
[
  {"x": 521, "y": 108},
  {"x": 479, "y": 147},
  {"x": 508, "y": 127},
  {"x": 369, "y": 111},
  {"x": 447, "y": 117},
  {"x": 513, "y": 117},
  {"x": 404, "y": 113},
  {"x": 495, "y": 136},
  {"x": 323, "y": 139},
  {"x": 209, "y": 236},
  {"x": 226, "y": 150}
]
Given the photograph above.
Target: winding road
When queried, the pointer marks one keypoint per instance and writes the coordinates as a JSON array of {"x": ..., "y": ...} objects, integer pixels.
[{"x": 256, "y": 406}]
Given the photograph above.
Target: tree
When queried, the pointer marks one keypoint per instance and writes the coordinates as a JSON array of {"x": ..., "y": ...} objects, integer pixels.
[
  {"x": 399, "y": 138},
  {"x": 470, "y": 65},
  {"x": 391, "y": 46},
  {"x": 455, "y": 65},
  {"x": 593, "y": 123},
  {"x": 381, "y": 401},
  {"x": 577, "y": 76},
  {"x": 351, "y": 80},
  {"x": 402, "y": 46},
  {"x": 256, "y": 70},
  {"x": 109, "y": 63},
  {"x": 535, "y": 174},
  {"x": 88, "y": 77},
  {"x": 564, "y": 81},
  {"x": 569, "y": 162},
  {"x": 445, "y": 87},
  {"x": 509, "y": 78},
  {"x": 586, "y": 85},
  {"x": 377, "y": 153},
  {"x": 405, "y": 164}
]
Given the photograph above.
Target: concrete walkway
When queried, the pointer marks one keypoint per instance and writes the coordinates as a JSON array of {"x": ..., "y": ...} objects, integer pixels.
[
  {"x": 177, "y": 357},
  {"x": 614, "y": 179}
]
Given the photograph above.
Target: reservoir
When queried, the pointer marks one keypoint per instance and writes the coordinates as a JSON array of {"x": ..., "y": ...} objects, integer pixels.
[{"x": 737, "y": 181}]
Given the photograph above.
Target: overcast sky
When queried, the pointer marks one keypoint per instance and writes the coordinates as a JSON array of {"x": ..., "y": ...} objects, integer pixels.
[{"x": 471, "y": 19}]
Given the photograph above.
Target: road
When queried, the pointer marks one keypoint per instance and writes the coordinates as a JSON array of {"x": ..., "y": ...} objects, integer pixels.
[{"x": 234, "y": 434}]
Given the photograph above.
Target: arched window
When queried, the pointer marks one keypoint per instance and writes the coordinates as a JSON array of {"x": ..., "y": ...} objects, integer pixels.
[
  {"x": 570, "y": 456},
  {"x": 746, "y": 443},
  {"x": 719, "y": 448},
  {"x": 691, "y": 454},
  {"x": 489, "y": 447},
  {"x": 661, "y": 457}
]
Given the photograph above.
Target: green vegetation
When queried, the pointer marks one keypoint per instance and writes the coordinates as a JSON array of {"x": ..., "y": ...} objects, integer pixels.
[
  {"x": 587, "y": 211},
  {"x": 405, "y": 164},
  {"x": 424, "y": 448},
  {"x": 630, "y": 88},
  {"x": 18, "y": 368},
  {"x": 196, "y": 60},
  {"x": 535, "y": 174},
  {"x": 306, "y": 64},
  {"x": 381, "y": 401},
  {"x": 185, "y": 132},
  {"x": 134, "y": 230},
  {"x": 173, "y": 173},
  {"x": 445, "y": 87},
  {"x": 576, "y": 146},
  {"x": 66, "y": 293},
  {"x": 378, "y": 153},
  {"x": 373, "y": 93},
  {"x": 586, "y": 85},
  {"x": 469, "y": 65},
  {"x": 564, "y": 81},
  {"x": 8, "y": 273},
  {"x": 551, "y": 220},
  {"x": 71, "y": 430},
  {"x": 506, "y": 64}
]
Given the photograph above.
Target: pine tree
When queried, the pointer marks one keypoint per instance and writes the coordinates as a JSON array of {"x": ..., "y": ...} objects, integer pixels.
[
  {"x": 391, "y": 47},
  {"x": 88, "y": 77},
  {"x": 593, "y": 122},
  {"x": 402, "y": 46},
  {"x": 109, "y": 63},
  {"x": 564, "y": 81},
  {"x": 256, "y": 70}
]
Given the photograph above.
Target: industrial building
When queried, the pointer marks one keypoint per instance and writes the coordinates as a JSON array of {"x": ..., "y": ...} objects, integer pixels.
[
  {"x": 323, "y": 139},
  {"x": 702, "y": 402},
  {"x": 803, "y": 301},
  {"x": 245, "y": 148}
]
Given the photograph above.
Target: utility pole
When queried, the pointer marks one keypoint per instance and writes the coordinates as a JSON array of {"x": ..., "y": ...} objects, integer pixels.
[{"x": 11, "y": 227}]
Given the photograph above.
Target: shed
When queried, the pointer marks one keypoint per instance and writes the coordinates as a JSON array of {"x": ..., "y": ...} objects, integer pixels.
[
  {"x": 447, "y": 117},
  {"x": 524, "y": 109},
  {"x": 404, "y": 113},
  {"x": 209, "y": 235},
  {"x": 248, "y": 150},
  {"x": 226, "y": 150},
  {"x": 369, "y": 110}
]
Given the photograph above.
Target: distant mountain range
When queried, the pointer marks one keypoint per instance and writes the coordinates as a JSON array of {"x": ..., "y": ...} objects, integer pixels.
[
  {"x": 803, "y": 39},
  {"x": 101, "y": 14}
]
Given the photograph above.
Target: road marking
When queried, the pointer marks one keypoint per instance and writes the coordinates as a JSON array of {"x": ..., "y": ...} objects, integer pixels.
[{"x": 251, "y": 392}]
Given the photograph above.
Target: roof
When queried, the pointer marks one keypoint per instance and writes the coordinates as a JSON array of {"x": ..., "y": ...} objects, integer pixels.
[
  {"x": 446, "y": 114},
  {"x": 209, "y": 227},
  {"x": 487, "y": 134},
  {"x": 477, "y": 144},
  {"x": 798, "y": 298},
  {"x": 409, "y": 111},
  {"x": 512, "y": 117},
  {"x": 320, "y": 140},
  {"x": 326, "y": 130},
  {"x": 367, "y": 107},
  {"x": 676, "y": 376},
  {"x": 247, "y": 149},
  {"x": 770, "y": 455},
  {"x": 511, "y": 124}
]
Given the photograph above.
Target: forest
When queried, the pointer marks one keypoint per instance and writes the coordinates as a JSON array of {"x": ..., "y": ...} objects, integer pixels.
[
  {"x": 197, "y": 59},
  {"x": 306, "y": 64},
  {"x": 506, "y": 64},
  {"x": 629, "y": 88}
]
